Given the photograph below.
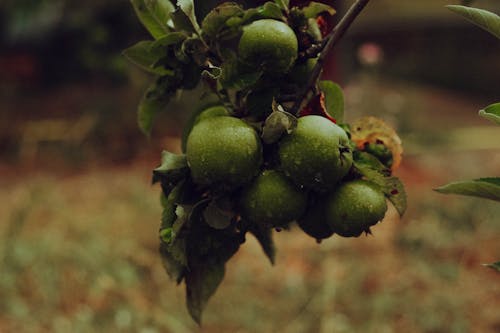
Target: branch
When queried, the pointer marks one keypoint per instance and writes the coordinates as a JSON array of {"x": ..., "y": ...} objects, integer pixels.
[{"x": 331, "y": 40}]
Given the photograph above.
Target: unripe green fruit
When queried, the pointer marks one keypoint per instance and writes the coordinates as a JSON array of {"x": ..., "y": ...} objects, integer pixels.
[
  {"x": 199, "y": 115},
  {"x": 316, "y": 154},
  {"x": 268, "y": 44},
  {"x": 354, "y": 207},
  {"x": 272, "y": 199},
  {"x": 301, "y": 71},
  {"x": 223, "y": 150},
  {"x": 314, "y": 222}
]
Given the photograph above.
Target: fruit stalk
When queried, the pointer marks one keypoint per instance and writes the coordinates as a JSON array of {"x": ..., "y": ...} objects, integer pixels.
[{"x": 330, "y": 41}]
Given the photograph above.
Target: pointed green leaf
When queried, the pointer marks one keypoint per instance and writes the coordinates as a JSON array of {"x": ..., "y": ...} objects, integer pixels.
[
  {"x": 488, "y": 188},
  {"x": 154, "y": 15},
  {"x": 391, "y": 186},
  {"x": 491, "y": 112},
  {"x": 486, "y": 20},
  {"x": 265, "y": 238},
  {"x": 175, "y": 270},
  {"x": 283, "y": 4},
  {"x": 146, "y": 57},
  {"x": 334, "y": 99},
  {"x": 201, "y": 283},
  {"x": 315, "y": 8},
  {"x": 171, "y": 38},
  {"x": 187, "y": 7},
  {"x": 216, "y": 19},
  {"x": 495, "y": 266},
  {"x": 278, "y": 123}
]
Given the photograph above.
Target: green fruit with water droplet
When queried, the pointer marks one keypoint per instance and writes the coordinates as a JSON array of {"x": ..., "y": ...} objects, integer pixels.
[
  {"x": 316, "y": 155},
  {"x": 268, "y": 44},
  {"x": 223, "y": 150},
  {"x": 354, "y": 207},
  {"x": 272, "y": 200}
]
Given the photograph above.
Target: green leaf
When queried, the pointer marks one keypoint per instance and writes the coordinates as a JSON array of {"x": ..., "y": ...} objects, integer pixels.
[
  {"x": 172, "y": 171},
  {"x": 283, "y": 4},
  {"x": 265, "y": 238},
  {"x": 216, "y": 217},
  {"x": 155, "y": 100},
  {"x": 187, "y": 7},
  {"x": 487, "y": 188},
  {"x": 216, "y": 19},
  {"x": 491, "y": 112},
  {"x": 486, "y": 20},
  {"x": 146, "y": 57},
  {"x": 171, "y": 38},
  {"x": 271, "y": 10},
  {"x": 278, "y": 123},
  {"x": 236, "y": 76},
  {"x": 315, "y": 8},
  {"x": 154, "y": 15},
  {"x": 391, "y": 186},
  {"x": 175, "y": 270},
  {"x": 495, "y": 266},
  {"x": 201, "y": 283},
  {"x": 334, "y": 99}
]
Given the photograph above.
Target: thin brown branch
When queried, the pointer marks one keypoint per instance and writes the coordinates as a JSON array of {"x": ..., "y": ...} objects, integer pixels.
[{"x": 330, "y": 41}]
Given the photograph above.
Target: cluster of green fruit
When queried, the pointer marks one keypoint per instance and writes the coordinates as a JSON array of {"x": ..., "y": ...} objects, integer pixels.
[
  {"x": 257, "y": 157},
  {"x": 305, "y": 177}
]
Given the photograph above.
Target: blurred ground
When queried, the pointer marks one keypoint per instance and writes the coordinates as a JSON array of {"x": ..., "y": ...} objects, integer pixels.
[
  {"x": 79, "y": 219},
  {"x": 79, "y": 246}
]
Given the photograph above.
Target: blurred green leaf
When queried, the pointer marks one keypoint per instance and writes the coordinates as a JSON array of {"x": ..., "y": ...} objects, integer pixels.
[
  {"x": 216, "y": 19},
  {"x": 283, "y": 4},
  {"x": 487, "y": 20},
  {"x": 187, "y": 7},
  {"x": 265, "y": 238},
  {"x": 201, "y": 283},
  {"x": 146, "y": 57},
  {"x": 278, "y": 123},
  {"x": 154, "y": 101},
  {"x": 334, "y": 99},
  {"x": 391, "y": 186},
  {"x": 313, "y": 9},
  {"x": 171, "y": 164},
  {"x": 216, "y": 217},
  {"x": 175, "y": 269},
  {"x": 171, "y": 38},
  {"x": 487, "y": 188},
  {"x": 491, "y": 112},
  {"x": 154, "y": 15},
  {"x": 495, "y": 266}
]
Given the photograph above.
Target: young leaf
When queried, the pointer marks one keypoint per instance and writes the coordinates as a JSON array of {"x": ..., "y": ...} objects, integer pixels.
[
  {"x": 486, "y": 20},
  {"x": 495, "y": 266},
  {"x": 491, "y": 112},
  {"x": 265, "y": 238},
  {"x": 334, "y": 99},
  {"x": 315, "y": 8},
  {"x": 187, "y": 7},
  {"x": 488, "y": 188},
  {"x": 175, "y": 270},
  {"x": 154, "y": 15},
  {"x": 278, "y": 123},
  {"x": 391, "y": 186},
  {"x": 271, "y": 10},
  {"x": 171, "y": 38}
]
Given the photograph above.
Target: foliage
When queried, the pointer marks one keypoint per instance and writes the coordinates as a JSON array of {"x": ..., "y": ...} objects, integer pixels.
[{"x": 203, "y": 222}]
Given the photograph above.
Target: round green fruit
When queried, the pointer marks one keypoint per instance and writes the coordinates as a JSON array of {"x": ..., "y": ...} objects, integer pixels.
[
  {"x": 314, "y": 222},
  {"x": 223, "y": 150},
  {"x": 316, "y": 154},
  {"x": 301, "y": 71},
  {"x": 268, "y": 44},
  {"x": 272, "y": 200},
  {"x": 354, "y": 207}
]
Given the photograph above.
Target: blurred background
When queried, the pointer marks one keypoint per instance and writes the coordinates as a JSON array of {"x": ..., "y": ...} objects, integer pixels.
[{"x": 79, "y": 218}]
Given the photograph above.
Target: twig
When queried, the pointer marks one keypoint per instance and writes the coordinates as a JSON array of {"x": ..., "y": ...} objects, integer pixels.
[{"x": 335, "y": 35}]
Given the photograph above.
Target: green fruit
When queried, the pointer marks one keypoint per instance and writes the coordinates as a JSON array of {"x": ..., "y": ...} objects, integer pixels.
[
  {"x": 272, "y": 199},
  {"x": 354, "y": 207},
  {"x": 268, "y": 44},
  {"x": 316, "y": 154},
  {"x": 223, "y": 150},
  {"x": 302, "y": 71},
  {"x": 314, "y": 222}
]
